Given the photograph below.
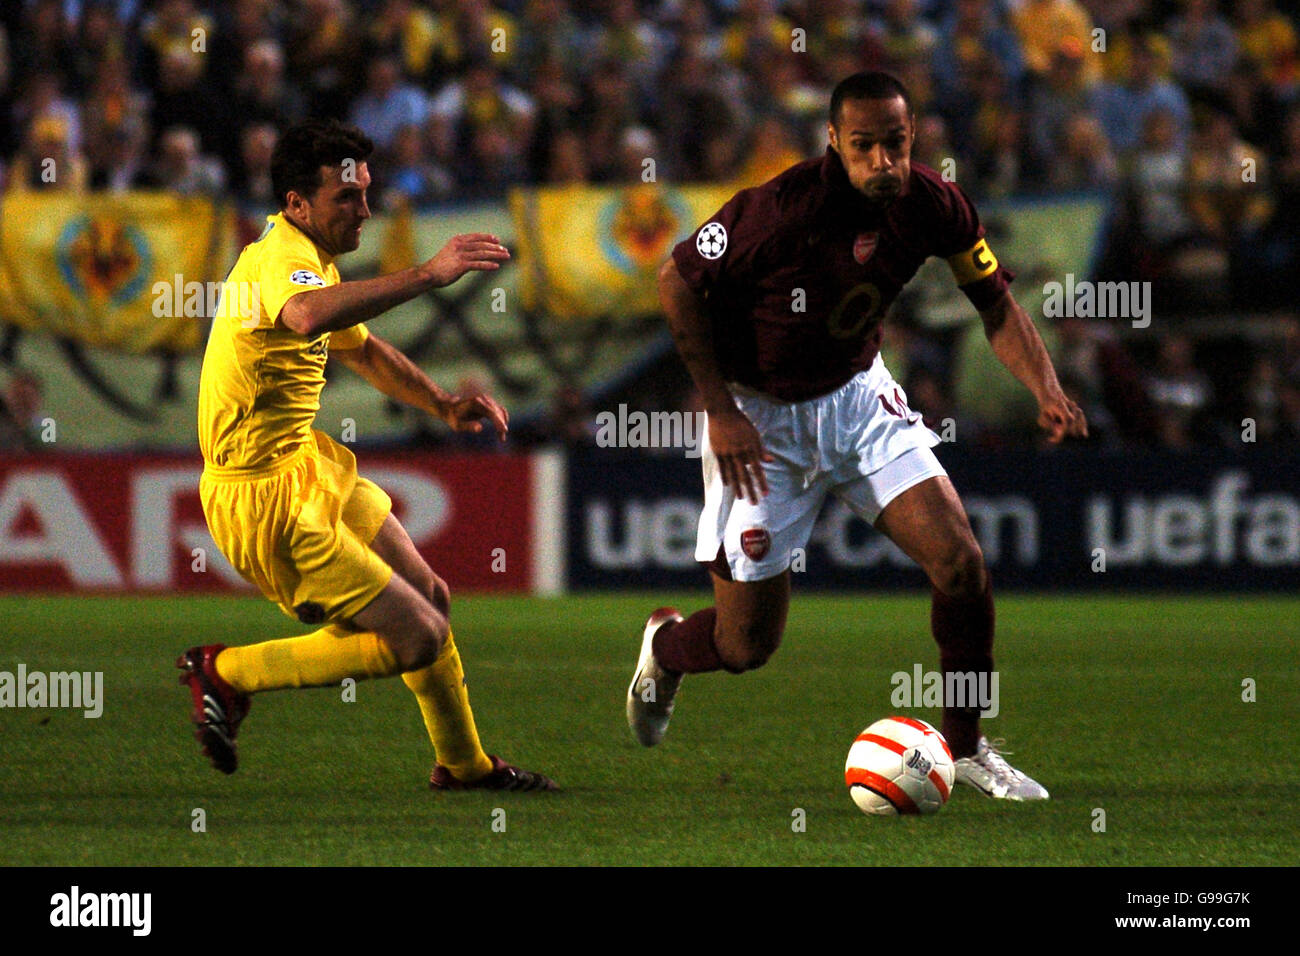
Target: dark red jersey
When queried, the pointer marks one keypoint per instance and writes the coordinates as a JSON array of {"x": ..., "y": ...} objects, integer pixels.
[{"x": 798, "y": 272}]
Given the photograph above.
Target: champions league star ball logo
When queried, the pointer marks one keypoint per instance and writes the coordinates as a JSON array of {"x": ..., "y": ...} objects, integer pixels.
[{"x": 712, "y": 240}]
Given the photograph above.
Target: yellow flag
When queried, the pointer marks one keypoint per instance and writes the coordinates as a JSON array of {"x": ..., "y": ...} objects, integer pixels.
[
  {"x": 132, "y": 273},
  {"x": 595, "y": 251}
]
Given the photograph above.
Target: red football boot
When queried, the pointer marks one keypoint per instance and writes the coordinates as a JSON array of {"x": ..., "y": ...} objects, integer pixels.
[
  {"x": 502, "y": 776},
  {"x": 218, "y": 708}
]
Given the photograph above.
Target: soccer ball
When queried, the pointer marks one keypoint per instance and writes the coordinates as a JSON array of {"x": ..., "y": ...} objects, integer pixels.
[{"x": 899, "y": 765}]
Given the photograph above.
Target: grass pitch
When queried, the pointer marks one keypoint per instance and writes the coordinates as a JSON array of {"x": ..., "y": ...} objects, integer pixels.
[{"x": 1127, "y": 705}]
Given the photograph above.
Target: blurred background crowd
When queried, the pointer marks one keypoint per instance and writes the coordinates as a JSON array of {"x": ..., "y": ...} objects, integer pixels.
[{"x": 1186, "y": 113}]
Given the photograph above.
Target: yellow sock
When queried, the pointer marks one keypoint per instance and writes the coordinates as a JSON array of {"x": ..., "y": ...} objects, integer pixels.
[
  {"x": 318, "y": 659},
  {"x": 444, "y": 704}
]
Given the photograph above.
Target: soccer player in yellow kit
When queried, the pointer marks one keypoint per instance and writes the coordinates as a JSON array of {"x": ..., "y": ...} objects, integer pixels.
[{"x": 285, "y": 503}]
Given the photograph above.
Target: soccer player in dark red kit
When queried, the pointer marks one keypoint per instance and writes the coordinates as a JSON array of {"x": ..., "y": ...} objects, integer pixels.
[{"x": 776, "y": 306}]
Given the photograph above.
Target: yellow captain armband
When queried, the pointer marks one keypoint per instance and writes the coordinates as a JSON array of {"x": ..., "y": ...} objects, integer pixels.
[{"x": 977, "y": 262}]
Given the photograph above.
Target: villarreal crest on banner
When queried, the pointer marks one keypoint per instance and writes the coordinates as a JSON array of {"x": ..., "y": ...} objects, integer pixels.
[
  {"x": 90, "y": 268},
  {"x": 587, "y": 252}
]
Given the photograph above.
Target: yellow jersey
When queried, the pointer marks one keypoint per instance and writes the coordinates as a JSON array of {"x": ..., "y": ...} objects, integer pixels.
[{"x": 261, "y": 382}]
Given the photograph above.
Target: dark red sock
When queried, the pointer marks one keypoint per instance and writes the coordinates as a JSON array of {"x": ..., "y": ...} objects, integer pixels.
[
  {"x": 687, "y": 647},
  {"x": 963, "y": 629}
]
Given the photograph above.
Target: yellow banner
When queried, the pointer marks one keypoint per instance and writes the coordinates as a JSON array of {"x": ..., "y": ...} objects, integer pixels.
[
  {"x": 130, "y": 273},
  {"x": 588, "y": 251}
]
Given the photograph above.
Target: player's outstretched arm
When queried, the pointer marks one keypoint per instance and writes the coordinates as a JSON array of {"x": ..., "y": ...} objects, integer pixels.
[
  {"x": 1019, "y": 347},
  {"x": 344, "y": 305},
  {"x": 734, "y": 440},
  {"x": 387, "y": 369}
]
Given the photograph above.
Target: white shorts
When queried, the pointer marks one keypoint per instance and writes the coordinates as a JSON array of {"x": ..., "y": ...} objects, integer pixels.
[{"x": 861, "y": 443}]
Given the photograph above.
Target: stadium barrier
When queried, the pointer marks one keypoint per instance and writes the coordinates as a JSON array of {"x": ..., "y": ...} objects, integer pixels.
[
  {"x": 1064, "y": 518},
  {"x": 132, "y": 523},
  {"x": 613, "y": 518}
]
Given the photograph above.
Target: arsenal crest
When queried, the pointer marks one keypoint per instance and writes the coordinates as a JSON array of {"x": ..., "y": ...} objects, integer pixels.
[
  {"x": 864, "y": 246},
  {"x": 755, "y": 542}
]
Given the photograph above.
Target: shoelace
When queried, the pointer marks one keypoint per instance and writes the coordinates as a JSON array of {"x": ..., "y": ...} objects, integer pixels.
[{"x": 994, "y": 761}]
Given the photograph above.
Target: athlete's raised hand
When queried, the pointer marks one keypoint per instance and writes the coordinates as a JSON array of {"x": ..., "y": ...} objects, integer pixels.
[
  {"x": 1061, "y": 417},
  {"x": 736, "y": 445},
  {"x": 468, "y": 413},
  {"x": 471, "y": 252}
]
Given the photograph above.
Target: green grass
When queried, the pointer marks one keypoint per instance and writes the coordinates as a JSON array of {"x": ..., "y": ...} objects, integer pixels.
[{"x": 1131, "y": 705}]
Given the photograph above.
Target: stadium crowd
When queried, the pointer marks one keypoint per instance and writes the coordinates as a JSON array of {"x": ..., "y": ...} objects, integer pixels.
[{"x": 1186, "y": 112}]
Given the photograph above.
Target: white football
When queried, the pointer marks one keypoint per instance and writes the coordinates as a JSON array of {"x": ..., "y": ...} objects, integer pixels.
[{"x": 899, "y": 765}]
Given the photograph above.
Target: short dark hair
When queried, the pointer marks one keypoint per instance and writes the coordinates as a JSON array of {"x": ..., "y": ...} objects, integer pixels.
[
  {"x": 304, "y": 148},
  {"x": 873, "y": 85}
]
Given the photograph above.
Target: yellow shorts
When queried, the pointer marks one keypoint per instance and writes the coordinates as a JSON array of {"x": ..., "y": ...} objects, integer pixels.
[{"x": 302, "y": 535}]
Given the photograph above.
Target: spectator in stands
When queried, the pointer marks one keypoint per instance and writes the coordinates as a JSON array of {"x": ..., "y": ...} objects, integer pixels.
[
  {"x": 251, "y": 179},
  {"x": 1158, "y": 183},
  {"x": 388, "y": 104},
  {"x": 1181, "y": 392},
  {"x": 1062, "y": 94},
  {"x": 120, "y": 159},
  {"x": 182, "y": 98},
  {"x": 999, "y": 163},
  {"x": 903, "y": 36},
  {"x": 488, "y": 120},
  {"x": 172, "y": 28},
  {"x": 1085, "y": 160},
  {"x": 1108, "y": 384},
  {"x": 98, "y": 39},
  {"x": 773, "y": 148},
  {"x": 47, "y": 160},
  {"x": 567, "y": 163},
  {"x": 241, "y": 24},
  {"x": 1045, "y": 25},
  {"x": 974, "y": 33},
  {"x": 1123, "y": 107},
  {"x": 43, "y": 99},
  {"x": 112, "y": 104},
  {"x": 782, "y": 90},
  {"x": 414, "y": 179},
  {"x": 1267, "y": 42},
  {"x": 1263, "y": 398},
  {"x": 20, "y": 412},
  {"x": 1279, "y": 238},
  {"x": 467, "y": 30},
  {"x": 1224, "y": 177},
  {"x": 557, "y": 112},
  {"x": 1204, "y": 47},
  {"x": 608, "y": 109},
  {"x": 837, "y": 24},
  {"x": 1256, "y": 109},
  {"x": 549, "y": 34},
  {"x": 623, "y": 36},
  {"x": 47, "y": 42},
  {"x": 183, "y": 169},
  {"x": 325, "y": 46},
  {"x": 698, "y": 91},
  {"x": 407, "y": 33},
  {"x": 933, "y": 146},
  {"x": 755, "y": 31},
  {"x": 261, "y": 92}
]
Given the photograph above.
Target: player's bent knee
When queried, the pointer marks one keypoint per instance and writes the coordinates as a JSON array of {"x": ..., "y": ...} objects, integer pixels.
[
  {"x": 747, "y": 648},
  {"x": 961, "y": 572},
  {"x": 418, "y": 649}
]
